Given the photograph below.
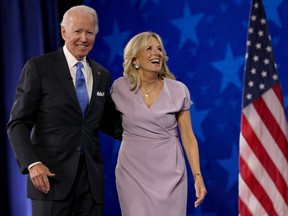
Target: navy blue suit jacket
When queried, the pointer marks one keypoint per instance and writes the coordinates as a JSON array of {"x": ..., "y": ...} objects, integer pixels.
[{"x": 46, "y": 124}]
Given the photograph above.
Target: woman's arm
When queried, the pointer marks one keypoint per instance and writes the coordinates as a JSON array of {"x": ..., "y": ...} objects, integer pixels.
[{"x": 190, "y": 145}]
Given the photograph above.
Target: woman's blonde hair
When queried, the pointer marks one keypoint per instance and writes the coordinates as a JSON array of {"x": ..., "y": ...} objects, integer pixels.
[{"x": 132, "y": 49}]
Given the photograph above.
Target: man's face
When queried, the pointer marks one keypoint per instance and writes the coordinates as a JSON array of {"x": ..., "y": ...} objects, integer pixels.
[{"x": 79, "y": 34}]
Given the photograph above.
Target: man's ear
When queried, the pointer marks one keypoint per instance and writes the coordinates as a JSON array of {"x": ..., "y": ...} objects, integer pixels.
[{"x": 63, "y": 33}]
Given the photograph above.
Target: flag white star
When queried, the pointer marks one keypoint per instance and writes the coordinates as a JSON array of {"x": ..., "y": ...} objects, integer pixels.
[
  {"x": 264, "y": 73},
  {"x": 268, "y": 48},
  {"x": 262, "y": 86},
  {"x": 256, "y": 5},
  {"x": 263, "y": 21},
  {"x": 253, "y": 71},
  {"x": 258, "y": 46},
  {"x": 260, "y": 33},
  {"x": 256, "y": 58},
  {"x": 249, "y": 96},
  {"x": 251, "y": 83},
  {"x": 266, "y": 61}
]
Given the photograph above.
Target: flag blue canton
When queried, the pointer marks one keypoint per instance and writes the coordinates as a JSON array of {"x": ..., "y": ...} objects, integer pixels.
[{"x": 260, "y": 69}]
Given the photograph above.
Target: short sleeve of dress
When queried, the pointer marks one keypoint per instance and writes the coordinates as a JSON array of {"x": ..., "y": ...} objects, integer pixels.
[
  {"x": 112, "y": 90},
  {"x": 187, "y": 101},
  {"x": 115, "y": 92},
  {"x": 119, "y": 93}
]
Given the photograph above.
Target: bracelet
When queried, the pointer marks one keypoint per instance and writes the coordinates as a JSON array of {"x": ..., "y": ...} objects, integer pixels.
[{"x": 196, "y": 174}]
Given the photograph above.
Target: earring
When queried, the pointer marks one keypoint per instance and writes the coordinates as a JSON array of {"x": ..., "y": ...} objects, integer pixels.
[{"x": 137, "y": 66}]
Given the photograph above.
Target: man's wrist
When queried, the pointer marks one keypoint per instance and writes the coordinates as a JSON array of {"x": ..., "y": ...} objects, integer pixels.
[{"x": 31, "y": 165}]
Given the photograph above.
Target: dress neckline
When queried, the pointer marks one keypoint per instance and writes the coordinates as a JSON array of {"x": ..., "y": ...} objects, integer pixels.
[{"x": 156, "y": 100}]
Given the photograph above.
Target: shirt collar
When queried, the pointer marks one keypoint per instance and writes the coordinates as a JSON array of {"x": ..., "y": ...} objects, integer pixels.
[{"x": 71, "y": 60}]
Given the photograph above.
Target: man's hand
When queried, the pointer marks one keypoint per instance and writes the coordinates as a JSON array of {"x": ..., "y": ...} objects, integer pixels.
[{"x": 39, "y": 174}]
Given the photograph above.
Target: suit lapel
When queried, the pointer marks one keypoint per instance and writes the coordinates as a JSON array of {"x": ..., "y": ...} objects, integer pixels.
[
  {"x": 63, "y": 73},
  {"x": 96, "y": 82}
]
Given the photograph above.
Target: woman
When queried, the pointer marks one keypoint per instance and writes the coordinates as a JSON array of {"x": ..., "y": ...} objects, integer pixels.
[{"x": 151, "y": 174}]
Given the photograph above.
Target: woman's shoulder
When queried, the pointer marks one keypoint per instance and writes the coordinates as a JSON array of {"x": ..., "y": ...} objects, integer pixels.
[
  {"x": 121, "y": 81},
  {"x": 175, "y": 83},
  {"x": 121, "y": 84}
]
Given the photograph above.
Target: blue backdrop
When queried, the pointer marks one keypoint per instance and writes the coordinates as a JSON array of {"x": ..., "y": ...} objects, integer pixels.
[
  {"x": 206, "y": 45},
  {"x": 28, "y": 28}
]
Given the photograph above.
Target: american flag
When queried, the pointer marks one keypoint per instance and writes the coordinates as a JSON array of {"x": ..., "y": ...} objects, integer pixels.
[{"x": 263, "y": 177}]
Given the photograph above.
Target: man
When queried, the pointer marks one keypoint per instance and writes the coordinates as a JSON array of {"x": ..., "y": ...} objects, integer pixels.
[{"x": 53, "y": 133}]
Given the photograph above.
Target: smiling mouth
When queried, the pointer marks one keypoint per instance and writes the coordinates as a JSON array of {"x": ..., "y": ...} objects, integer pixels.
[
  {"x": 82, "y": 46},
  {"x": 156, "y": 61}
]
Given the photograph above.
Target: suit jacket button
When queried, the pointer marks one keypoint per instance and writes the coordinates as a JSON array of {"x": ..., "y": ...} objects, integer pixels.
[{"x": 78, "y": 149}]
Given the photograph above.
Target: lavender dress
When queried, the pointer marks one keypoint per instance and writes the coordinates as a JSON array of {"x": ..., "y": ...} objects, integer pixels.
[{"x": 151, "y": 174}]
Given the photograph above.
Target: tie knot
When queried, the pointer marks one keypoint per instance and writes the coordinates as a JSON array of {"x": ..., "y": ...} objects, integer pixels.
[{"x": 79, "y": 65}]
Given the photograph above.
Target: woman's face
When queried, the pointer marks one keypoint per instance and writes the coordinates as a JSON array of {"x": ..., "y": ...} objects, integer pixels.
[{"x": 150, "y": 58}]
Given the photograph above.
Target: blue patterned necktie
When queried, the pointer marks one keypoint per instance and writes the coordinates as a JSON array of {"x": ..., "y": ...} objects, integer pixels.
[{"x": 81, "y": 89}]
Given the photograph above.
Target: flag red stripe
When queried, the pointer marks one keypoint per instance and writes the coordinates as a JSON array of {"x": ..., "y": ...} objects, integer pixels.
[
  {"x": 243, "y": 208},
  {"x": 264, "y": 158},
  {"x": 273, "y": 127},
  {"x": 256, "y": 188},
  {"x": 278, "y": 92}
]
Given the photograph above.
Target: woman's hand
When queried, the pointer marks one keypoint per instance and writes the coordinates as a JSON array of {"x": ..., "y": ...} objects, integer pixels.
[{"x": 200, "y": 190}]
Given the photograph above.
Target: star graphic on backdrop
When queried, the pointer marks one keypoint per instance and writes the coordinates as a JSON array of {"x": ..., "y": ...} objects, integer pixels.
[
  {"x": 229, "y": 68},
  {"x": 116, "y": 46},
  {"x": 197, "y": 118},
  {"x": 239, "y": 2},
  {"x": 187, "y": 26},
  {"x": 191, "y": 75},
  {"x": 223, "y": 7},
  {"x": 143, "y": 2},
  {"x": 211, "y": 42},
  {"x": 193, "y": 51},
  {"x": 218, "y": 102},
  {"x": 272, "y": 11},
  {"x": 234, "y": 103},
  {"x": 210, "y": 19},
  {"x": 204, "y": 89},
  {"x": 231, "y": 166}
]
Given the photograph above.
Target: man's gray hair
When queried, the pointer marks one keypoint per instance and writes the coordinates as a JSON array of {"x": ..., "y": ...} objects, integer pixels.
[{"x": 82, "y": 9}]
